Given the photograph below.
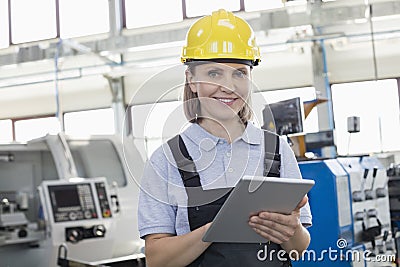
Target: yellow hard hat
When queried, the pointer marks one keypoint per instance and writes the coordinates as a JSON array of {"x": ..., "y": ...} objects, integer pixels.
[{"x": 221, "y": 36}]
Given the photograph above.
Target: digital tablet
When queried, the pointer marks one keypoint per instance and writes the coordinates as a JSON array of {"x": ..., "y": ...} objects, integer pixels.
[{"x": 251, "y": 195}]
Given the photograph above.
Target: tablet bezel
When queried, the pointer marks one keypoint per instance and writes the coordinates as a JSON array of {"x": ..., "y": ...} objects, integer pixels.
[{"x": 251, "y": 195}]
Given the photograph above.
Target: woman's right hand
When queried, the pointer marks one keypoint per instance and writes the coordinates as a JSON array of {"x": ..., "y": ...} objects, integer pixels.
[{"x": 206, "y": 226}]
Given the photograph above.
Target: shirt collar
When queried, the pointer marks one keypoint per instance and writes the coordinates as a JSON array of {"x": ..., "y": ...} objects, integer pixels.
[
  {"x": 201, "y": 137},
  {"x": 252, "y": 135},
  {"x": 206, "y": 141}
]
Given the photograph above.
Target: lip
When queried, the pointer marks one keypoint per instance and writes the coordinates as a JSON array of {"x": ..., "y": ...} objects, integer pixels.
[{"x": 226, "y": 100}]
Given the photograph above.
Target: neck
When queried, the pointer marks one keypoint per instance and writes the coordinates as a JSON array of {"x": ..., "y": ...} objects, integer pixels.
[{"x": 229, "y": 130}]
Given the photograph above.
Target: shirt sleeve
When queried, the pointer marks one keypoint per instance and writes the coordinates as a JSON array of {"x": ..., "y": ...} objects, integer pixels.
[
  {"x": 155, "y": 214},
  {"x": 290, "y": 169}
]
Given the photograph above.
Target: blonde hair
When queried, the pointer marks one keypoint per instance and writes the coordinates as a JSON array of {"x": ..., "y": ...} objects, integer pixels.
[{"x": 191, "y": 103}]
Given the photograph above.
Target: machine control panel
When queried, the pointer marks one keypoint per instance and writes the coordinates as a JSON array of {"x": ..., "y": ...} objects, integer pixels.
[
  {"x": 87, "y": 199},
  {"x": 103, "y": 200},
  {"x": 72, "y": 202}
]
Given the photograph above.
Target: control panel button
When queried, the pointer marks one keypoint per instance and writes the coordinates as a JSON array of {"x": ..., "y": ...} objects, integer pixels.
[
  {"x": 99, "y": 230},
  {"x": 106, "y": 213},
  {"x": 74, "y": 235},
  {"x": 88, "y": 214},
  {"x": 72, "y": 216}
]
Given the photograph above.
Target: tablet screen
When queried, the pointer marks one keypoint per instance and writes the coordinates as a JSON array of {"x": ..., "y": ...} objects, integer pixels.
[{"x": 254, "y": 194}]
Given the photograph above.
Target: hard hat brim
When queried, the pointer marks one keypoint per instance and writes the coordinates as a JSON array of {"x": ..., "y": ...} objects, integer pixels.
[{"x": 250, "y": 63}]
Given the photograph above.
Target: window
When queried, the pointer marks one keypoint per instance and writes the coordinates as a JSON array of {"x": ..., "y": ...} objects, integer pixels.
[
  {"x": 6, "y": 131},
  {"x": 89, "y": 122},
  {"x": 152, "y": 12},
  {"x": 377, "y": 105},
  {"x": 29, "y": 129},
  {"x": 310, "y": 124},
  {"x": 79, "y": 18},
  {"x": 195, "y": 8},
  {"x": 155, "y": 123},
  {"x": 254, "y": 5},
  {"x": 33, "y": 20},
  {"x": 4, "y": 38}
]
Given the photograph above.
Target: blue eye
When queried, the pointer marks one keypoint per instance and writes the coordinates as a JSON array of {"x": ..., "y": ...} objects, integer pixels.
[
  {"x": 213, "y": 74},
  {"x": 240, "y": 74}
]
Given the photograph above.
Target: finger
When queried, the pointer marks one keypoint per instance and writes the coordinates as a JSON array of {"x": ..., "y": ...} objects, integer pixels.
[
  {"x": 253, "y": 214},
  {"x": 302, "y": 203},
  {"x": 269, "y": 233},
  {"x": 291, "y": 220},
  {"x": 282, "y": 231},
  {"x": 206, "y": 226},
  {"x": 268, "y": 237}
]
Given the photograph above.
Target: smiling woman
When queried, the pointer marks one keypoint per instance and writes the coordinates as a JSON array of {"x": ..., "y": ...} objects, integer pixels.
[
  {"x": 210, "y": 84},
  {"x": 187, "y": 180}
]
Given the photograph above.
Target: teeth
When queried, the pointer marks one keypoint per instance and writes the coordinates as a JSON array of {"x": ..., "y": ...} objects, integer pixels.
[{"x": 225, "y": 100}]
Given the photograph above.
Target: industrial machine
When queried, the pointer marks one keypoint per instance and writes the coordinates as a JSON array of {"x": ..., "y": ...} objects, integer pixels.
[
  {"x": 370, "y": 203},
  {"x": 75, "y": 196},
  {"x": 393, "y": 173},
  {"x": 284, "y": 117},
  {"x": 351, "y": 217}
]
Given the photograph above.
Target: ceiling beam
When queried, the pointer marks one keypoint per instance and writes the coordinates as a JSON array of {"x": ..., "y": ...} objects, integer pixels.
[{"x": 323, "y": 16}]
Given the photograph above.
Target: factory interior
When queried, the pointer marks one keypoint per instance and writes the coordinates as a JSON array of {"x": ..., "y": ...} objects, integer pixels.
[{"x": 90, "y": 89}]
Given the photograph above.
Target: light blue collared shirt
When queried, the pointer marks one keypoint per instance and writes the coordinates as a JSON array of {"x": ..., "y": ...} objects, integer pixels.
[{"x": 163, "y": 199}]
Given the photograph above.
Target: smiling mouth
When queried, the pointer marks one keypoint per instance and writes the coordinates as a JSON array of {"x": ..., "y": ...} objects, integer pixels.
[{"x": 227, "y": 101}]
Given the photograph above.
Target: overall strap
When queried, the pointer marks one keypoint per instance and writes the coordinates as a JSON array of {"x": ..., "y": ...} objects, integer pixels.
[
  {"x": 186, "y": 167},
  {"x": 272, "y": 158},
  {"x": 190, "y": 177}
]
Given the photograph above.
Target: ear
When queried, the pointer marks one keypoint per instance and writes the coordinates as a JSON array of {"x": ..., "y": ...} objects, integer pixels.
[{"x": 190, "y": 78}]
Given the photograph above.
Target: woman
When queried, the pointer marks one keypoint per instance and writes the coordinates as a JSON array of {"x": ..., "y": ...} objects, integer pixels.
[{"x": 214, "y": 152}]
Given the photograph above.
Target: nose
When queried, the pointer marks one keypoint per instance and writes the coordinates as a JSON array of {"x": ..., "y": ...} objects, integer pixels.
[{"x": 227, "y": 85}]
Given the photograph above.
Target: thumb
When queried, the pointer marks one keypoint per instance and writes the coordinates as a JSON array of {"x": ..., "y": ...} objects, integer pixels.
[{"x": 302, "y": 203}]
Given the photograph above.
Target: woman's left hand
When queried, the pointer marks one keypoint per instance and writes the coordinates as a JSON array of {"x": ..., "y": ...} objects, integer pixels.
[{"x": 276, "y": 227}]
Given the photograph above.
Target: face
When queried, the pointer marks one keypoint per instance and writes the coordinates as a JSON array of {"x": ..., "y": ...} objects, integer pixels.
[{"x": 222, "y": 89}]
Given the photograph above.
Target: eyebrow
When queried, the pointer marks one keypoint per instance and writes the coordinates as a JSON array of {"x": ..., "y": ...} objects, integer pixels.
[
  {"x": 214, "y": 68},
  {"x": 242, "y": 68},
  {"x": 223, "y": 69}
]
